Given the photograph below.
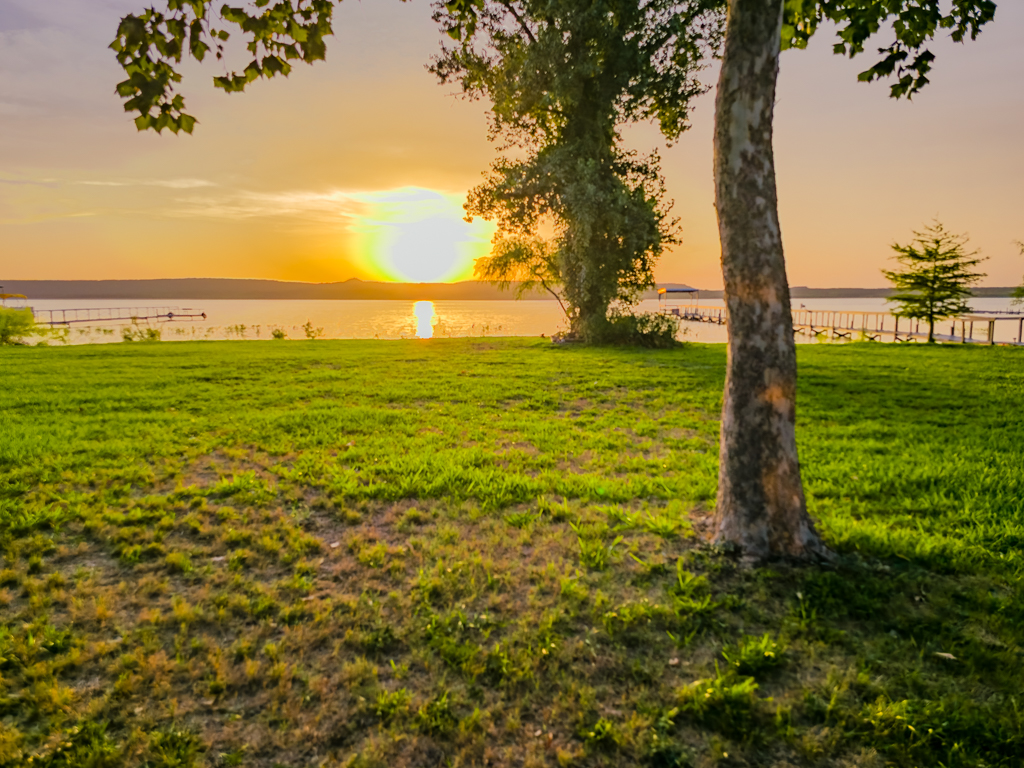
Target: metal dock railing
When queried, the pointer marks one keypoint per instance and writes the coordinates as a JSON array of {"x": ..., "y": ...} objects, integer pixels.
[{"x": 115, "y": 315}]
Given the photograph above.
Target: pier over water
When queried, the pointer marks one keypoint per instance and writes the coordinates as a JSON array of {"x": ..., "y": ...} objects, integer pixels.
[
  {"x": 975, "y": 327},
  {"x": 115, "y": 315}
]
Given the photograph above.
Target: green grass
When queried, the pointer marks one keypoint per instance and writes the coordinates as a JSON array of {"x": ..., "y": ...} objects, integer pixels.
[{"x": 462, "y": 553}]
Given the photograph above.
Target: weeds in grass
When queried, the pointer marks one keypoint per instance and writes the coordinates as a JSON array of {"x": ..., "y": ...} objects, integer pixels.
[
  {"x": 435, "y": 717},
  {"x": 173, "y": 748},
  {"x": 86, "y": 745},
  {"x": 179, "y": 562},
  {"x": 633, "y": 615},
  {"x": 373, "y": 556},
  {"x": 595, "y": 554},
  {"x": 662, "y": 525},
  {"x": 602, "y": 735},
  {"x": 558, "y": 511},
  {"x": 521, "y": 519},
  {"x": 412, "y": 519},
  {"x": 727, "y": 702},
  {"x": 392, "y": 705},
  {"x": 753, "y": 655}
]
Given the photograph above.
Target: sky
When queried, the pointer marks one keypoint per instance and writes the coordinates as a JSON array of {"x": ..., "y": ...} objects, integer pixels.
[{"x": 358, "y": 166}]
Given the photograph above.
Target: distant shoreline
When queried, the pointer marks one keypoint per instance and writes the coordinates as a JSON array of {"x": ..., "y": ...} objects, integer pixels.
[{"x": 470, "y": 290}]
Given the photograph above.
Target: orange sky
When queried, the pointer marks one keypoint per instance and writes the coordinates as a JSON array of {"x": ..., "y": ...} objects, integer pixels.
[{"x": 345, "y": 169}]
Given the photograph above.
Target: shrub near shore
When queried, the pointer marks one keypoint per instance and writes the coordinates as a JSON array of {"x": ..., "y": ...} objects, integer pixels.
[
  {"x": 16, "y": 325},
  {"x": 466, "y": 552}
]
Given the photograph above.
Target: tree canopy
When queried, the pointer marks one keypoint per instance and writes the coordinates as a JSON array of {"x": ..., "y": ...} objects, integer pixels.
[
  {"x": 562, "y": 76},
  {"x": 542, "y": 62}
]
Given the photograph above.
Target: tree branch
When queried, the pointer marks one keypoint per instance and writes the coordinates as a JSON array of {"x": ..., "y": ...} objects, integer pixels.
[
  {"x": 558, "y": 298},
  {"x": 522, "y": 22}
]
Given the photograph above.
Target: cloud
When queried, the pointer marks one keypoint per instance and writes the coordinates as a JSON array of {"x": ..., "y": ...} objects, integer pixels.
[
  {"x": 15, "y": 109},
  {"x": 328, "y": 205},
  {"x": 30, "y": 182},
  {"x": 322, "y": 206},
  {"x": 243, "y": 206},
  {"x": 167, "y": 183}
]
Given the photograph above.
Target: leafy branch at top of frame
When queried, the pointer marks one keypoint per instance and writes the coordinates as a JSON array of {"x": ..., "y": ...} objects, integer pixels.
[
  {"x": 150, "y": 44},
  {"x": 913, "y": 22}
]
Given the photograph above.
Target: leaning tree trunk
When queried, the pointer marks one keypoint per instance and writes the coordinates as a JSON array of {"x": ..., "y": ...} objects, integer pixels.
[{"x": 761, "y": 509}]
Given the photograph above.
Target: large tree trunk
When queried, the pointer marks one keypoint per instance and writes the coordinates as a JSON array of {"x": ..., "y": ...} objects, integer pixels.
[{"x": 761, "y": 509}]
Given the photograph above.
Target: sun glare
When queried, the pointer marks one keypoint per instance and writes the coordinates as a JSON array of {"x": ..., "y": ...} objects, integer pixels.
[{"x": 419, "y": 235}]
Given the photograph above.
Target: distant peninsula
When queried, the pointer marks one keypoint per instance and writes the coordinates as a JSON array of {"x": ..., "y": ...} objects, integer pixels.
[{"x": 470, "y": 290}]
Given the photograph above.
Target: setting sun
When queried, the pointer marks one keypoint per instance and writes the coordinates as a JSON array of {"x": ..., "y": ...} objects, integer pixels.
[{"x": 418, "y": 235}]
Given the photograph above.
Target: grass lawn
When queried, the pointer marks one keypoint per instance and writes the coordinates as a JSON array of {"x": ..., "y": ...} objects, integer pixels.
[{"x": 494, "y": 553}]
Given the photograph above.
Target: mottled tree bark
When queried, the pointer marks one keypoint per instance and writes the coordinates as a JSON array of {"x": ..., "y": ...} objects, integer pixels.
[{"x": 761, "y": 508}]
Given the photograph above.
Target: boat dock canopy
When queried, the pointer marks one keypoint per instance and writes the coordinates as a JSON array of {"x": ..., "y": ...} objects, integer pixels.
[
  {"x": 13, "y": 300},
  {"x": 676, "y": 290}
]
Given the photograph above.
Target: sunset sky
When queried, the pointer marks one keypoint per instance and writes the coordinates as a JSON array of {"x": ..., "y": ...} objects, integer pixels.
[{"x": 357, "y": 167}]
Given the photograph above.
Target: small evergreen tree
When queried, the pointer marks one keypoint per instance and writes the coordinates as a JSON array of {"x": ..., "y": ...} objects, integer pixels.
[
  {"x": 1018, "y": 292},
  {"x": 936, "y": 276}
]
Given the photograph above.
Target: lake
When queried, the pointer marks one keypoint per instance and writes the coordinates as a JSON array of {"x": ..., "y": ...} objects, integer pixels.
[{"x": 256, "y": 319}]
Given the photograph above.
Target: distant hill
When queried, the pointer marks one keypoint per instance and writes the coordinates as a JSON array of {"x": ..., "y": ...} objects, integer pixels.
[{"x": 226, "y": 288}]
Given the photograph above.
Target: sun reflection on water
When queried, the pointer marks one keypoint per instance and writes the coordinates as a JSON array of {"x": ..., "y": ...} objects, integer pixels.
[{"x": 425, "y": 317}]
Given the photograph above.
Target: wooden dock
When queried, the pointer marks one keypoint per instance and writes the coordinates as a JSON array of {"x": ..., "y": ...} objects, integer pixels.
[
  {"x": 875, "y": 326},
  {"x": 115, "y": 315}
]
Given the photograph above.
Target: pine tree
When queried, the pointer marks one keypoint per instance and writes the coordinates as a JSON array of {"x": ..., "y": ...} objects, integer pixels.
[
  {"x": 936, "y": 276},
  {"x": 1018, "y": 292}
]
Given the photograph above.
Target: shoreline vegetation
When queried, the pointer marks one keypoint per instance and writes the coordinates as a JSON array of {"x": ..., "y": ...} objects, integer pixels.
[
  {"x": 469, "y": 290},
  {"x": 493, "y": 552}
]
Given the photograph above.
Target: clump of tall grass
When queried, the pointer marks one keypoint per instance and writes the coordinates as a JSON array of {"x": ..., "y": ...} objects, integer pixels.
[{"x": 134, "y": 333}]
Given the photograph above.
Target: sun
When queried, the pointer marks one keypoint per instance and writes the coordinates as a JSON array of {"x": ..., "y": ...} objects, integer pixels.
[{"x": 418, "y": 235}]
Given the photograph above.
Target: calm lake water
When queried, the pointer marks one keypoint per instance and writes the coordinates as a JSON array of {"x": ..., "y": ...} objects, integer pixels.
[{"x": 242, "y": 319}]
